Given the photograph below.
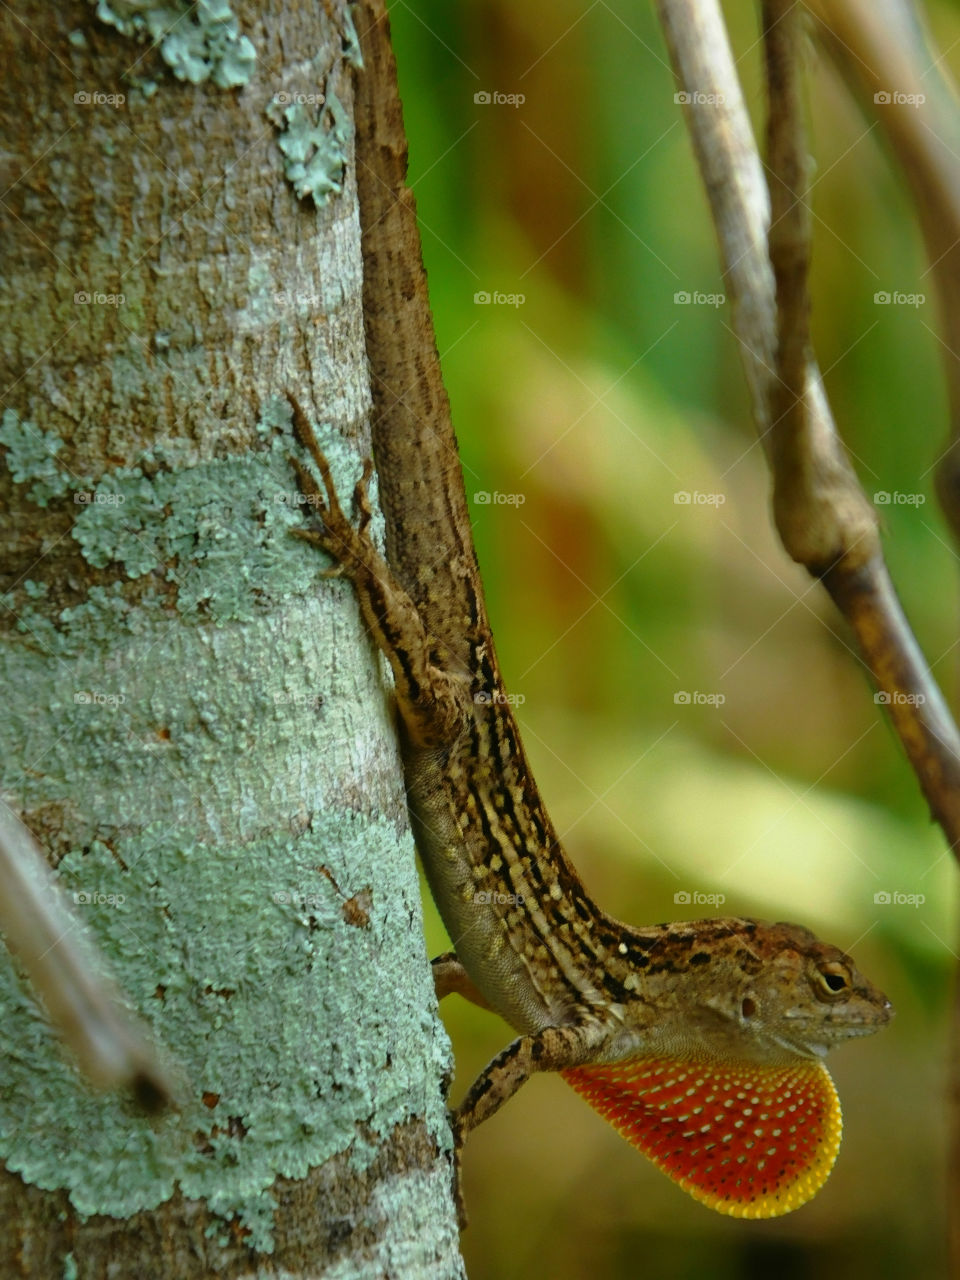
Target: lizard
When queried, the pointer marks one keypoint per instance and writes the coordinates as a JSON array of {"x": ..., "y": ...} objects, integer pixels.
[{"x": 702, "y": 1042}]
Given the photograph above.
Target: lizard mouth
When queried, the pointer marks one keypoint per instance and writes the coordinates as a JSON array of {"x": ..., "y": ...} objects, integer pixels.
[{"x": 828, "y": 1035}]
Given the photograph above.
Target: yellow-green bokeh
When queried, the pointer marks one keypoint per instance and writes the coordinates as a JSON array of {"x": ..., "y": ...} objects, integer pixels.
[{"x": 593, "y": 403}]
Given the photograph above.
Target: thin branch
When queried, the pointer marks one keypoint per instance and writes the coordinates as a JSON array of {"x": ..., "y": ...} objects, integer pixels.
[
  {"x": 66, "y": 974},
  {"x": 788, "y": 237},
  {"x": 882, "y": 49},
  {"x": 823, "y": 517}
]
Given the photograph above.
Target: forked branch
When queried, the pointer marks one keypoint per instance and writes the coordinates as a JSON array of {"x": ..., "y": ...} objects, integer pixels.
[{"x": 823, "y": 517}]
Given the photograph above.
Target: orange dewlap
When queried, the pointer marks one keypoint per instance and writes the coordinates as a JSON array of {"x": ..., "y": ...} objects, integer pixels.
[{"x": 748, "y": 1140}]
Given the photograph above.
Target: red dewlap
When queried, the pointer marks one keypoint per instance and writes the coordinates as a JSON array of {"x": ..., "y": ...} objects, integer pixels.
[{"x": 747, "y": 1140}]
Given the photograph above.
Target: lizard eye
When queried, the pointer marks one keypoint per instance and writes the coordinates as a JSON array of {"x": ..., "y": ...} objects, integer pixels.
[{"x": 833, "y": 981}]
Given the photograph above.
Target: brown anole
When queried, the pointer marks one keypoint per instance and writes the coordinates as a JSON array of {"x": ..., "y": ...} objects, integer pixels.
[{"x": 702, "y": 1041}]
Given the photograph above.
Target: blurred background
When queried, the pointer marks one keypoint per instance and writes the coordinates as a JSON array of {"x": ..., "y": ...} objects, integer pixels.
[{"x": 696, "y": 720}]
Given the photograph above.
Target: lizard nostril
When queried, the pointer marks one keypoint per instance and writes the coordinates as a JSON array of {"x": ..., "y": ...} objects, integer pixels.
[{"x": 748, "y": 1007}]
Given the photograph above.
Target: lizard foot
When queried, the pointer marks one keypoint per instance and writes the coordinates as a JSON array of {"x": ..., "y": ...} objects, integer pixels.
[{"x": 347, "y": 543}]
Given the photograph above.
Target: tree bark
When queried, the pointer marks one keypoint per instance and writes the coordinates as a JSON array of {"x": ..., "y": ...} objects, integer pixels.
[{"x": 194, "y": 724}]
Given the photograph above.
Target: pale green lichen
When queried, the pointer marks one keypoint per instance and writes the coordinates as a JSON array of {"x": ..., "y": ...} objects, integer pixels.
[
  {"x": 199, "y": 41},
  {"x": 32, "y": 458},
  {"x": 315, "y": 149},
  {"x": 274, "y": 417},
  {"x": 249, "y": 1026},
  {"x": 103, "y": 616},
  {"x": 217, "y": 530},
  {"x": 351, "y": 42},
  {"x": 237, "y": 947}
]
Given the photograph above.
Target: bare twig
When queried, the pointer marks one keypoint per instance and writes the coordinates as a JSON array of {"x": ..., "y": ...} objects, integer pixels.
[
  {"x": 824, "y": 519},
  {"x": 788, "y": 237},
  {"x": 65, "y": 972},
  {"x": 882, "y": 49}
]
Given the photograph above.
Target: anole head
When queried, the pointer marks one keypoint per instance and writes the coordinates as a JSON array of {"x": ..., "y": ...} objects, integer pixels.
[
  {"x": 721, "y": 1082},
  {"x": 768, "y": 993}
]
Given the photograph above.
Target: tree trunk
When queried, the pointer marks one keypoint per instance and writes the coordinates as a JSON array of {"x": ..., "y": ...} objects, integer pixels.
[{"x": 194, "y": 723}]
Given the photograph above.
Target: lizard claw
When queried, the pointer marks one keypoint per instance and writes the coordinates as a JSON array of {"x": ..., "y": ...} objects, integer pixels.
[
  {"x": 349, "y": 545},
  {"x": 361, "y": 499}
]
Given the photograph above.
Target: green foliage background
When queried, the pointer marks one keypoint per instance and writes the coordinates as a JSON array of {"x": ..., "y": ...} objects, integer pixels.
[{"x": 593, "y": 403}]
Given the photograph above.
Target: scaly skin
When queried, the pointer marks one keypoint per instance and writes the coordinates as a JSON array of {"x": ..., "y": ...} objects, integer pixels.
[
  {"x": 738, "y": 1012},
  {"x": 701, "y": 1041}
]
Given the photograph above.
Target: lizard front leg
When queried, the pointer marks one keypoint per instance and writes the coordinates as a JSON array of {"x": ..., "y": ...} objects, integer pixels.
[
  {"x": 552, "y": 1049},
  {"x": 433, "y": 702},
  {"x": 450, "y": 976}
]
